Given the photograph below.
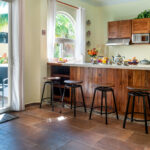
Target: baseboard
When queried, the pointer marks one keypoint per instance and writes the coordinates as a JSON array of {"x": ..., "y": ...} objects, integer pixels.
[{"x": 31, "y": 104}]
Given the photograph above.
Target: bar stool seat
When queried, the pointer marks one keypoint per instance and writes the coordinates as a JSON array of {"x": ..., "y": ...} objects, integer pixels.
[
  {"x": 104, "y": 88},
  {"x": 105, "y": 85},
  {"x": 51, "y": 81},
  {"x": 72, "y": 82},
  {"x": 137, "y": 92},
  {"x": 73, "y": 85},
  {"x": 51, "y": 78},
  {"x": 138, "y": 88}
]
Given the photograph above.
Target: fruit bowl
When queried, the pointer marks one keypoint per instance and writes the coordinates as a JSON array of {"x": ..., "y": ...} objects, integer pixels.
[
  {"x": 62, "y": 60},
  {"x": 132, "y": 63}
]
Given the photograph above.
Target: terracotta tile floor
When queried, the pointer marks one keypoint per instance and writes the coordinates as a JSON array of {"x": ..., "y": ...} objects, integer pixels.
[{"x": 42, "y": 129}]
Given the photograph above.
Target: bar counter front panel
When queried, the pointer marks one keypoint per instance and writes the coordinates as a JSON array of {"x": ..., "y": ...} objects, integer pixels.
[{"x": 92, "y": 77}]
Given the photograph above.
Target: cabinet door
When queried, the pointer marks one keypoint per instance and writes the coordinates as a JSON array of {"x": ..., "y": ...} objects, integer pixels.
[
  {"x": 113, "y": 29},
  {"x": 125, "y": 29},
  {"x": 141, "y": 26}
]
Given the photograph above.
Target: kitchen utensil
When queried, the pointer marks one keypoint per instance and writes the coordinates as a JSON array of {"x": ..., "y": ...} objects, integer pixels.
[
  {"x": 118, "y": 59},
  {"x": 125, "y": 63},
  {"x": 145, "y": 62}
]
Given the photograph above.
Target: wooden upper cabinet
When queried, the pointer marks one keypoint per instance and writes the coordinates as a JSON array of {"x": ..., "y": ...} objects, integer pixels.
[
  {"x": 141, "y": 26},
  {"x": 125, "y": 30},
  {"x": 119, "y": 29},
  {"x": 113, "y": 29}
]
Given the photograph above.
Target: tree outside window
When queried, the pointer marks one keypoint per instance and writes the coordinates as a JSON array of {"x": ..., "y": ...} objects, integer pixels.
[{"x": 65, "y": 36}]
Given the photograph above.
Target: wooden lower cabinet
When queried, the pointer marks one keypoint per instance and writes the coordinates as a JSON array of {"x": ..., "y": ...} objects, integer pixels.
[{"x": 121, "y": 78}]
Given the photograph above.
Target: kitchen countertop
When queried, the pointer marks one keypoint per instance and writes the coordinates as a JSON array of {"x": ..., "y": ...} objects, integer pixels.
[{"x": 113, "y": 66}]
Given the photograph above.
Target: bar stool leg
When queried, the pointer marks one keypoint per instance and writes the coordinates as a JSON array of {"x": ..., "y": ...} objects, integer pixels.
[
  {"x": 115, "y": 105},
  {"x": 63, "y": 96},
  {"x": 42, "y": 95},
  {"x": 133, "y": 103},
  {"x": 126, "y": 113},
  {"x": 102, "y": 103},
  {"x": 92, "y": 104},
  {"x": 71, "y": 97},
  {"x": 3, "y": 98},
  {"x": 52, "y": 98},
  {"x": 83, "y": 99},
  {"x": 74, "y": 98},
  {"x": 60, "y": 92},
  {"x": 105, "y": 93},
  {"x": 51, "y": 95},
  {"x": 145, "y": 117},
  {"x": 148, "y": 101}
]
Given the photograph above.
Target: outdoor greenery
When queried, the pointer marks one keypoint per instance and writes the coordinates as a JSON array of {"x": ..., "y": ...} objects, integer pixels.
[
  {"x": 144, "y": 14},
  {"x": 56, "y": 53},
  {"x": 3, "y": 20},
  {"x": 3, "y": 17},
  {"x": 64, "y": 27}
]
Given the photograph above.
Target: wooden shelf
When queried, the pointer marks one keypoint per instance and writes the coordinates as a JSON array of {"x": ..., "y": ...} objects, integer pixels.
[
  {"x": 65, "y": 98},
  {"x": 64, "y": 73},
  {"x": 61, "y": 86},
  {"x": 61, "y": 75}
]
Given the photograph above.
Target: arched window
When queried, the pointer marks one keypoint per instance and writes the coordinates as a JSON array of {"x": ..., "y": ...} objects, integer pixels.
[{"x": 65, "y": 36}]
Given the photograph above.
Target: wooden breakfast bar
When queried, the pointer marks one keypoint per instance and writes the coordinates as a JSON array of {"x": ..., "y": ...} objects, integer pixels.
[{"x": 93, "y": 75}]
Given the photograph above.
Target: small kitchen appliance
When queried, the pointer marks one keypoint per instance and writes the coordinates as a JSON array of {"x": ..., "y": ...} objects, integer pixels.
[{"x": 141, "y": 38}]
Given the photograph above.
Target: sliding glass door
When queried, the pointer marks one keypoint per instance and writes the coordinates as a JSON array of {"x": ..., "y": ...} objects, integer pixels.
[{"x": 4, "y": 55}]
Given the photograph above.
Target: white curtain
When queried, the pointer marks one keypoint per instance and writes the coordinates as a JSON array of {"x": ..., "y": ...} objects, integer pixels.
[
  {"x": 17, "y": 55},
  {"x": 51, "y": 14},
  {"x": 80, "y": 35}
]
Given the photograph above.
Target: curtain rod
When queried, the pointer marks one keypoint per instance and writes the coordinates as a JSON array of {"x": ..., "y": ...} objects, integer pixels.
[{"x": 67, "y": 4}]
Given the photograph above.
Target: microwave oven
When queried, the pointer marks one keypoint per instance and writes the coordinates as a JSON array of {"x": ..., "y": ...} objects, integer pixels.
[{"x": 141, "y": 38}]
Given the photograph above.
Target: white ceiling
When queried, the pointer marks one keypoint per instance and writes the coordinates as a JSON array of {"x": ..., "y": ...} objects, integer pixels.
[{"x": 106, "y": 2}]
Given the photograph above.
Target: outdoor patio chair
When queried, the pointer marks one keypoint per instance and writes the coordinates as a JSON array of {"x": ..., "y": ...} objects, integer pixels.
[{"x": 3, "y": 81}]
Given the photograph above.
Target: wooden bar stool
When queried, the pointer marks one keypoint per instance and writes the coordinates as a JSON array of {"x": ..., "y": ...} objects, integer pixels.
[
  {"x": 104, "y": 88},
  {"x": 137, "y": 92},
  {"x": 50, "y": 81},
  {"x": 73, "y": 85}
]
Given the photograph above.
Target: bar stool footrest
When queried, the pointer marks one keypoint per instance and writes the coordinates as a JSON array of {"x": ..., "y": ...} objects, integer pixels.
[
  {"x": 103, "y": 107},
  {"x": 104, "y": 112},
  {"x": 137, "y": 120},
  {"x": 46, "y": 98}
]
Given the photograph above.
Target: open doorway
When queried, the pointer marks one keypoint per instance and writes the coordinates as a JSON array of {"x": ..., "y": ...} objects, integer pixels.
[{"x": 4, "y": 54}]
